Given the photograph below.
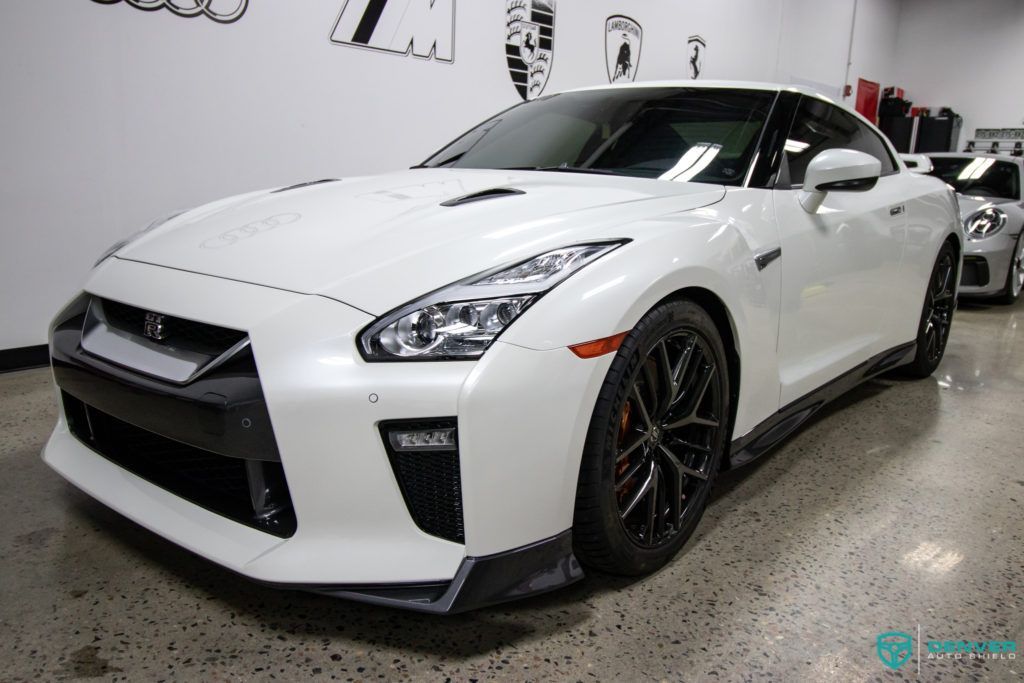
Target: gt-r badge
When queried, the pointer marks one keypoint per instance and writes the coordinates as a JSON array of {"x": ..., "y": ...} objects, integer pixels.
[
  {"x": 154, "y": 326},
  {"x": 622, "y": 38},
  {"x": 529, "y": 44}
]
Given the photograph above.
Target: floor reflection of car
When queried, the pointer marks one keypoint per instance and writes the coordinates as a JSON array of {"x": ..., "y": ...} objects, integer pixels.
[
  {"x": 989, "y": 188},
  {"x": 457, "y": 384}
]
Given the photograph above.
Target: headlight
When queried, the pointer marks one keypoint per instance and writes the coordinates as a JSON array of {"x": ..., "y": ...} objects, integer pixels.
[
  {"x": 985, "y": 223},
  {"x": 116, "y": 246},
  {"x": 460, "y": 321}
]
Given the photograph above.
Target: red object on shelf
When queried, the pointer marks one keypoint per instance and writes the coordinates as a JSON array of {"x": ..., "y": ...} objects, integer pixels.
[{"x": 867, "y": 99}]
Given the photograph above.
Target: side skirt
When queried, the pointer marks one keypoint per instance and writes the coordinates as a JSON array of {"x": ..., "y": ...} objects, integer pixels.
[{"x": 772, "y": 431}]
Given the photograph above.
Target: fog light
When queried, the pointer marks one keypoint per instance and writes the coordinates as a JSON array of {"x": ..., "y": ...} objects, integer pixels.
[{"x": 423, "y": 439}]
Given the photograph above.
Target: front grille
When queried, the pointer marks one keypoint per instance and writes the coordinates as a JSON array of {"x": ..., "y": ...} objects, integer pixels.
[
  {"x": 975, "y": 272},
  {"x": 250, "y": 492},
  {"x": 430, "y": 482},
  {"x": 181, "y": 333}
]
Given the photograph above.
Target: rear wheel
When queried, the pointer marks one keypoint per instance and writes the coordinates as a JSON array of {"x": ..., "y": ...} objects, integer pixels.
[
  {"x": 936, "y": 316},
  {"x": 1015, "y": 274},
  {"x": 655, "y": 443}
]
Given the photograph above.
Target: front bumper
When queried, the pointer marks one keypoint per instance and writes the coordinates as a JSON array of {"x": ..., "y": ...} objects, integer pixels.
[
  {"x": 986, "y": 263},
  {"x": 522, "y": 416}
]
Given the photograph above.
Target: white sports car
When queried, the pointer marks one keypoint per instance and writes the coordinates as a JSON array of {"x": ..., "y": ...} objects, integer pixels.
[
  {"x": 990, "y": 198},
  {"x": 454, "y": 385}
]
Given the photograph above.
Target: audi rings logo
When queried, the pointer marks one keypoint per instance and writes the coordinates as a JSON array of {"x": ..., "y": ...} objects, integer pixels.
[
  {"x": 221, "y": 11},
  {"x": 235, "y": 235}
]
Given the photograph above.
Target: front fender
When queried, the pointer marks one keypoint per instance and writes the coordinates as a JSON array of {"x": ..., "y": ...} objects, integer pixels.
[{"x": 705, "y": 249}]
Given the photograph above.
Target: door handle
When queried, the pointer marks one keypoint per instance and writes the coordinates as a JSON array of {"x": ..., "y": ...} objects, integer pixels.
[
  {"x": 764, "y": 258},
  {"x": 897, "y": 210}
]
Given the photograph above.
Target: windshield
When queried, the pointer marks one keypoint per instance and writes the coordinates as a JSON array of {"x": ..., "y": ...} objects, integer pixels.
[
  {"x": 979, "y": 176},
  {"x": 703, "y": 135}
]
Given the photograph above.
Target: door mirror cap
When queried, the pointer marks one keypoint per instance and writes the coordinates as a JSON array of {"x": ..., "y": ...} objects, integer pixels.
[
  {"x": 917, "y": 163},
  {"x": 838, "y": 170}
]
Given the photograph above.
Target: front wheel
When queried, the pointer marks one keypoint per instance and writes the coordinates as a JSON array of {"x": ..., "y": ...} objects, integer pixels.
[
  {"x": 936, "y": 316},
  {"x": 655, "y": 442}
]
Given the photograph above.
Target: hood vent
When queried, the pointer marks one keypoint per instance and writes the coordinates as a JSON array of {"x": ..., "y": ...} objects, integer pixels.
[
  {"x": 493, "y": 193},
  {"x": 305, "y": 184}
]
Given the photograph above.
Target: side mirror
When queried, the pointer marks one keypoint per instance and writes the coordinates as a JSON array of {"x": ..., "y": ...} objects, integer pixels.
[
  {"x": 838, "y": 170},
  {"x": 917, "y": 163}
]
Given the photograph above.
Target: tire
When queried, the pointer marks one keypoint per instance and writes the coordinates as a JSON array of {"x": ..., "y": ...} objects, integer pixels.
[
  {"x": 936, "y": 315},
  {"x": 658, "y": 471},
  {"x": 1014, "y": 274}
]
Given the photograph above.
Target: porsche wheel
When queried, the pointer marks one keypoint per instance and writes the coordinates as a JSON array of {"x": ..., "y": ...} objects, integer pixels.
[
  {"x": 936, "y": 316},
  {"x": 1015, "y": 274},
  {"x": 655, "y": 443}
]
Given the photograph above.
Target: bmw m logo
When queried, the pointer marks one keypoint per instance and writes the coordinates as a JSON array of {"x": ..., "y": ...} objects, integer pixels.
[{"x": 154, "y": 326}]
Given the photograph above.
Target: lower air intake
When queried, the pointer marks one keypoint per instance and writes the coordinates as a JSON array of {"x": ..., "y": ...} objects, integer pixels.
[
  {"x": 251, "y": 492},
  {"x": 430, "y": 480}
]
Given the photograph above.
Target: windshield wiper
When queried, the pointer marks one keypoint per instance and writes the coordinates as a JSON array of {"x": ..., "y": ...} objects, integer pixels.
[{"x": 561, "y": 169}]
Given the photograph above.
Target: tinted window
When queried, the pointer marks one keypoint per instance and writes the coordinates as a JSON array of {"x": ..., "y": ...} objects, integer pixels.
[
  {"x": 704, "y": 135},
  {"x": 819, "y": 126},
  {"x": 980, "y": 176}
]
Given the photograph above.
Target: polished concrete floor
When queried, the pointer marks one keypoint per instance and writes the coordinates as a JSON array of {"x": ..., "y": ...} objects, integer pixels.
[{"x": 899, "y": 508}]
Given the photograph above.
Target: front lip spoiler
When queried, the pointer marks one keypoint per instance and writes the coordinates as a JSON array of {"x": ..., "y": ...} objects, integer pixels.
[{"x": 479, "y": 582}]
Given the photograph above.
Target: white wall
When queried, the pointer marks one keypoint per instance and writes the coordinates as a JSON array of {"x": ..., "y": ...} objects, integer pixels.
[
  {"x": 965, "y": 55},
  {"x": 873, "y": 55},
  {"x": 112, "y": 115}
]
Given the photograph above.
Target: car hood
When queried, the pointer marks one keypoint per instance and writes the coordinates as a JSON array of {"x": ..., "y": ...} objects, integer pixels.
[
  {"x": 969, "y": 204},
  {"x": 378, "y": 242}
]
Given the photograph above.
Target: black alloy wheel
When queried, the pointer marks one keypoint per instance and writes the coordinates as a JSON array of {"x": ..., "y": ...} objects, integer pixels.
[
  {"x": 655, "y": 444},
  {"x": 937, "y": 316}
]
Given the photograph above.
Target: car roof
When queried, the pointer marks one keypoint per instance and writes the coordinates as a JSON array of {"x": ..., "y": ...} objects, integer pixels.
[
  {"x": 744, "y": 85},
  {"x": 977, "y": 155}
]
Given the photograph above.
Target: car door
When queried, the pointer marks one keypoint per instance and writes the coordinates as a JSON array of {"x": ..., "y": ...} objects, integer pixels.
[{"x": 839, "y": 262}]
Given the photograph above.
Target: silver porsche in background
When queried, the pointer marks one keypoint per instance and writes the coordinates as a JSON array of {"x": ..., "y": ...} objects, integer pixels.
[{"x": 989, "y": 190}]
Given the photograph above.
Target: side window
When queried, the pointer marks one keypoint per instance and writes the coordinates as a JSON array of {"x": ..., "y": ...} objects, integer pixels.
[{"x": 819, "y": 126}]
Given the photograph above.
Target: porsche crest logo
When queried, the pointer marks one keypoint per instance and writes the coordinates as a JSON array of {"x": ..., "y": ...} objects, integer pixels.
[
  {"x": 622, "y": 37},
  {"x": 529, "y": 44}
]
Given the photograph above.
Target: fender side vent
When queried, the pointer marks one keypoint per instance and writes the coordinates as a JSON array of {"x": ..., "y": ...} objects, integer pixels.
[
  {"x": 305, "y": 184},
  {"x": 493, "y": 193}
]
